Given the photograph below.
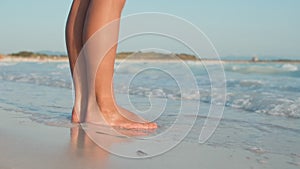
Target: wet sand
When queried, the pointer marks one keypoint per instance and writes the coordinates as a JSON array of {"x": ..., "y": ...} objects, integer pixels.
[{"x": 25, "y": 144}]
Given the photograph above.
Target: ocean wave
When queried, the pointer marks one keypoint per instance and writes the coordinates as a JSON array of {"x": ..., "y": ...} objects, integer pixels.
[
  {"x": 263, "y": 69},
  {"x": 249, "y": 83},
  {"x": 266, "y": 103},
  {"x": 290, "y": 67},
  {"x": 259, "y": 102},
  {"x": 261, "y": 94},
  {"x": 8, "y": 63},
  {"x": 38, "y": 79},
  {"x": 63, "y": 66},
  {"x": 242, "y": 94}
]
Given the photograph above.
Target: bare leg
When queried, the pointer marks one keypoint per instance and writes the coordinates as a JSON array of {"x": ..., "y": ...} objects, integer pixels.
[
  {"x": 99, "y": 14},
  {"x": 74, "y": 30}
]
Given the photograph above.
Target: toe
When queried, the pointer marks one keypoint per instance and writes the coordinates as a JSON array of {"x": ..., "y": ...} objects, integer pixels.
[{"x": 152, "y": 126}]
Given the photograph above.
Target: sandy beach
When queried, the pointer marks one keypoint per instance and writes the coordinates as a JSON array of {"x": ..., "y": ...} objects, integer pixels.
[{"x": 26, "y": 144}]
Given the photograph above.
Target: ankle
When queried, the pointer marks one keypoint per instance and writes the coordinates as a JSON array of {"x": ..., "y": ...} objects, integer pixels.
[
  {"x": 105, "y": 98},
  {"x": 106, "y": 102}
]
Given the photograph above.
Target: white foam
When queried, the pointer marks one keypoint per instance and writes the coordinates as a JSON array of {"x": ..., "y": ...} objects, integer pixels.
[
  {"x": 289, "y": 67},
  {"x": 8, "y": 63},
  {"x": 63, "y": 66},
  {"x": 264, "y": 69}
]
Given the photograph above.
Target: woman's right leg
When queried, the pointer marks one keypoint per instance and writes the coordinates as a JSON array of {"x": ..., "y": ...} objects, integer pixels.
[{"x": 101, "y": 31}]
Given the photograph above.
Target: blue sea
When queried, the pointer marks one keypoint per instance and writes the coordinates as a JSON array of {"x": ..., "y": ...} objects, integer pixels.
[{"x": 261, "y": 115}]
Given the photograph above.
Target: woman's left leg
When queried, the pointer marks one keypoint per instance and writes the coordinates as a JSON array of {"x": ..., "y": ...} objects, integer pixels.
[{"x": 74, "y": 42}]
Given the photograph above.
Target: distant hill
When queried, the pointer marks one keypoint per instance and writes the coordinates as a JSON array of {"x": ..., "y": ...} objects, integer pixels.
[
  {"x": 60, "y": 56},
  {"x": 122, "y": 55},
  {"x": 29, "y": 54},
  {"x": 154, "y": 56},
  {"x": 52, "y": 53}
]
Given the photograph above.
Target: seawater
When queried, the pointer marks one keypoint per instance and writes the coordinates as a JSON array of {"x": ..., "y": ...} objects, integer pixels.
[{"x": 262, "y": 109}]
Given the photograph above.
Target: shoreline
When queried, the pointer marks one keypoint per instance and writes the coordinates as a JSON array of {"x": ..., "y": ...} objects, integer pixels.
[
  {"x": 206, "y": 61},
  {"x": 24, "y": 59}
]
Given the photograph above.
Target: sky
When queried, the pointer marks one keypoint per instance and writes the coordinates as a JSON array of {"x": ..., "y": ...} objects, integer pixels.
[{"x": 235, "y": 27}]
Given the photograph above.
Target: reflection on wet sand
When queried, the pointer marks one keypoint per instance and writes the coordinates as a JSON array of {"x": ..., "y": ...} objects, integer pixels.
[
  {"x": 84, "y": 152},
  {"x": 95, "y": 153}
]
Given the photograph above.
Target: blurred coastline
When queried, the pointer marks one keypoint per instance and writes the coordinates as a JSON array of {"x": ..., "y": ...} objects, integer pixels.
[{"x": 25, "y": 56}]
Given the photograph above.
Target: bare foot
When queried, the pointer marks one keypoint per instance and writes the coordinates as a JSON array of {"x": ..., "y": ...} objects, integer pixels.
[{"x": 117, "y": 116}]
